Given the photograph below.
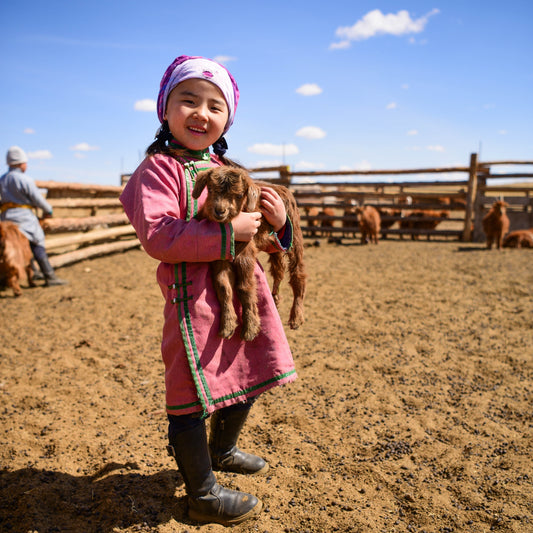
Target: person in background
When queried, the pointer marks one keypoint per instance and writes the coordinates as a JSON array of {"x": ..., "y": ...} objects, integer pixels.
[{"x": 18, "y": 197}]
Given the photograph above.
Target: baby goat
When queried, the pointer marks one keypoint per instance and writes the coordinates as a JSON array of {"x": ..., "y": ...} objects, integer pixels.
[
  {"x": 230, "y": 191},
  {"x": 15, "y": 257}
]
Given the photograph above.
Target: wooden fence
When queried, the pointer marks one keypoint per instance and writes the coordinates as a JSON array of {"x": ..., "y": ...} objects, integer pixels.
[
  {"x": 465, "y": 200},
  {"x": 89, "y": 220}
]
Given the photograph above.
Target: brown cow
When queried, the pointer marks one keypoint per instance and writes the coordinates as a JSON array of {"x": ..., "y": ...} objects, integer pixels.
[
  {"x": 369, "y": 224},
  {"x": 386, "y": 222},
  {"x": 328, "y": 219},
  {"x": 496, "y": 224},
  {"x": 15, "y": 257},
  {"x": 418, "y": 220},
  {"x": 350, "y": 218},
  {"x": 522, "y": 238},
  {"x": 312, "y": 223}
]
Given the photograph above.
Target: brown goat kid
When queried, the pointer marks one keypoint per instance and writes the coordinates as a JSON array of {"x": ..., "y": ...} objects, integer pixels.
[
  {"x": 496, "y": 224},
  {"x": 522, "y": 238},
  {"x": 230, "y": 191},
  {"x": 15, "y": 257},
  {"x": 418, "y": 220},
  {"x": 369, "y": 224}
]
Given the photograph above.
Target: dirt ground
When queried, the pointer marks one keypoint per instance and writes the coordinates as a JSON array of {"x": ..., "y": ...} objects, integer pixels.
[{"x": 412, "y": 412}]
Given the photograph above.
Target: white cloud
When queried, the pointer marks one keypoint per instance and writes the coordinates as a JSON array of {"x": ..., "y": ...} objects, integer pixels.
[
  {"x": 29, "y": 131},
  {"x": 40, "y": 154},
  {"x": 276, "y": 150},
  {"x": 339, "y": 46},
  {"x": 435, "y": 148},
  {"x": 412, "y": 132},
  {"x": 503, "y": 132},
  {"x": 405, "y": 86},
  {"x": 311, "y": 132},
  {"x": 224, "y": 59},
  {"x": 84, "y": 147},
  {"x": 309, "y": 89},
  {"x": 145, "y": 105},
  {"x": 392, "y": 105},
  {"x": 307, "y": 165},
  {"x": 362, "y": 165},
  {"x": 267, "y": 163},
  {"x": 376, "y": 23}
]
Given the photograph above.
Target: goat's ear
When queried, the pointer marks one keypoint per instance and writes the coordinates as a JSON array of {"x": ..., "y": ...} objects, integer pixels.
[
  {"x": 252, "y": 198},
  {"x": 201, "y": 182}
]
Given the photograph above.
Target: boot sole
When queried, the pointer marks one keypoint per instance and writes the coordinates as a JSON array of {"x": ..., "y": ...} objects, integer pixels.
[{"x": 200, "y": 517}]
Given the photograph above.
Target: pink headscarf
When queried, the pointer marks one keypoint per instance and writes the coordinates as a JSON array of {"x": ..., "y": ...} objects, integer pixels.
[{"x": 187, "y": 67}]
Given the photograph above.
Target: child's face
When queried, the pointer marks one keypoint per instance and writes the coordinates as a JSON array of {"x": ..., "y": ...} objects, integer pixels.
[{"x": 196, "y": 113}]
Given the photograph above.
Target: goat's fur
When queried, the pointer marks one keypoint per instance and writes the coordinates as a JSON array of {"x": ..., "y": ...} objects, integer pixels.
[
  {"x": 230, "y": 191},
  {"x": 15, "y": 257},
  {"x": 496, "y": 224},
  {"x": 422, "y": 219},
  {"x": 522, "y": 238},
  {"x": 369, "y": 223}
]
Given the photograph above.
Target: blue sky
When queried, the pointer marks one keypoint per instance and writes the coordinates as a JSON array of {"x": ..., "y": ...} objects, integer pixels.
[{"x": 324, "y": 85}]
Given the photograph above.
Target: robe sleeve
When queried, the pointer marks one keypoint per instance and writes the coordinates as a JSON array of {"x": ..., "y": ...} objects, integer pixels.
[
  {"x": 158, "y": 203},
  {"x": 282, "y": 239}
]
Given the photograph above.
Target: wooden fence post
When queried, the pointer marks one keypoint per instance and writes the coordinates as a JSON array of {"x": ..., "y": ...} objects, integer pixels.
[
  {"x": 285, "y": 175},
  {"x": 470, "y": 198},
  {"x": 479, "y": 235}
]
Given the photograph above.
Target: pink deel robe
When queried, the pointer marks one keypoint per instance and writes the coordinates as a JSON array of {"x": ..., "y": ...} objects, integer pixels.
[{"x": 203, "y": 372}]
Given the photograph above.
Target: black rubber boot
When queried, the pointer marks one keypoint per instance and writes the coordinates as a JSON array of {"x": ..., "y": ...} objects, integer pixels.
[
  {"x": 41, "y": 257},
  {"x": 208, "y": 501},
  {"x": 226, "y": 426},
  {"x": 37, "y": 274}
]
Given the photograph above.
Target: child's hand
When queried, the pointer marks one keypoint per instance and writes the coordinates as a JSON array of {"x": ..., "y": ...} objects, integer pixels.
[
  {"x": 245, "y": 225},
  {"x": 273, "y": 208}
]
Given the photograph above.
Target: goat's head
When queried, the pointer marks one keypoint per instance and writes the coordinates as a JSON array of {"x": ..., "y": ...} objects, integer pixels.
[
  {"x": 230, "y": 190},
  {"x": 500, "y": 206}
]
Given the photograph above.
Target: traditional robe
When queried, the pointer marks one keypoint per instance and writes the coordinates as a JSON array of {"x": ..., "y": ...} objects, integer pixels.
[{"x": 203, "y": 372}]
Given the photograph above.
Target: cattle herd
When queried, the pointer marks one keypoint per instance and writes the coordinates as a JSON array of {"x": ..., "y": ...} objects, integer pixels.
[{"x": 370, "y": 221}]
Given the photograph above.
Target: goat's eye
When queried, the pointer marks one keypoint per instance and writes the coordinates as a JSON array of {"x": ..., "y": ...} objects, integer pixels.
[{"x": 239, "y": 196}]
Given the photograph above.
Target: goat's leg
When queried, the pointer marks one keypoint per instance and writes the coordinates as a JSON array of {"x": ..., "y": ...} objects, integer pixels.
[
  {"x": 13, "y": 282},
  {"x": 223, "y": 278},
  {"x": 246, "y": 286},
  {"x": 277, "y": 271},
  {"x": 297, "y": 281},
  {"x": 29, "y": 275}
]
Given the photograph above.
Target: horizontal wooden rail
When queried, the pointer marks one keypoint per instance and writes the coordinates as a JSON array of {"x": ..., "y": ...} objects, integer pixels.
[
  {"x": 63, "y": 225},
  {"x": 72, "y": 203},
  {"x": 93, "y": 251},
  {"x": 78, "y": 187},
  {"x": 92, "y": 236}
]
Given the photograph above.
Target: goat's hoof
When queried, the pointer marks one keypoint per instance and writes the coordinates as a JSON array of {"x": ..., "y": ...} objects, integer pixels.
[
  {"x": 250, "y": 332},
  {"x": 227, "y": 331},
  {"x": 296, "y": 320}
]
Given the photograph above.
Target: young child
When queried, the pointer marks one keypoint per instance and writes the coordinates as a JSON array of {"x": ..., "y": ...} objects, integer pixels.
[{"x": 204, "y": 373}]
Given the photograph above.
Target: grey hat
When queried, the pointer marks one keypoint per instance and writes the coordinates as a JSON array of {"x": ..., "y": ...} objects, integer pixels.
[{"x": 16, "y": 156}]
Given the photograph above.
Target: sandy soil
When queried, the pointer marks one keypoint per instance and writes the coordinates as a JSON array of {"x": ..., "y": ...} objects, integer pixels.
[{"x": 412, "y": 411}]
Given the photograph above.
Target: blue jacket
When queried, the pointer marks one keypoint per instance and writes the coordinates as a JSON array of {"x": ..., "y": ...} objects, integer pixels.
[{"x": 16, "y": 187}]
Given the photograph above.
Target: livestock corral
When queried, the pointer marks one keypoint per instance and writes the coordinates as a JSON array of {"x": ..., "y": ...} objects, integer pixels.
[
  {"x": 89, "y": 220},
  {"x": 412, "y": 410}
]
